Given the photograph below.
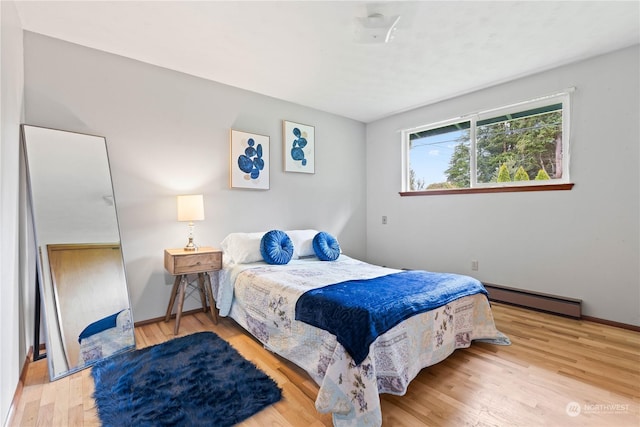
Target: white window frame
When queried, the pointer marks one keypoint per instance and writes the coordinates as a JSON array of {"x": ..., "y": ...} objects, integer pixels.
[{"x": 563, "y": 97}]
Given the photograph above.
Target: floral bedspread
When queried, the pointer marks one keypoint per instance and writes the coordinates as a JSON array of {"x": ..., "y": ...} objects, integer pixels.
[
  {"x": 109, "y": 341},
  {"x": 262, "y": 299}
]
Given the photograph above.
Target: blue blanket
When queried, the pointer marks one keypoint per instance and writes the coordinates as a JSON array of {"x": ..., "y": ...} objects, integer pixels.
[
  {"x": 358, "y": 311},
  {"x": 99, "y": 326}
]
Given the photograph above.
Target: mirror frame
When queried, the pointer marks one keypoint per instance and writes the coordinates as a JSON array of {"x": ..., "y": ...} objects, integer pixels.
[{"x": 55, "y": 341}]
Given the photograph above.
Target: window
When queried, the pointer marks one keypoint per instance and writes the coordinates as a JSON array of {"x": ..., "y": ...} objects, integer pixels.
[{"x": 520, "y": 145}]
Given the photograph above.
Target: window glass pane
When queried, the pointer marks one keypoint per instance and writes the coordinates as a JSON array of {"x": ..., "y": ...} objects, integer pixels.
[
  {"x": 522, "y": 146},
  {"x": 439, "y": 158}
]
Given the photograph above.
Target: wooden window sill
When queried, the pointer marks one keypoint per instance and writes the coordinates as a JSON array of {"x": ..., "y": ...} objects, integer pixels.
[{"x": 509, "y": 189}]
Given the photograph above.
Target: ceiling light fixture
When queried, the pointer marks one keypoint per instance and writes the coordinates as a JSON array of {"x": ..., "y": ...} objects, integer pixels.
[{"x": 376, "y": 28}]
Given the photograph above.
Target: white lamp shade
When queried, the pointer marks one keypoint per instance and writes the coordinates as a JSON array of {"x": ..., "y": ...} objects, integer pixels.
[{"x": 191, "y": 208}]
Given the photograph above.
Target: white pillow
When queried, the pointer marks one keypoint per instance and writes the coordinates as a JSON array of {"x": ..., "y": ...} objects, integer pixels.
[
  {"x": 243, "y": 248},
  {"x": 302, "y": 242}
]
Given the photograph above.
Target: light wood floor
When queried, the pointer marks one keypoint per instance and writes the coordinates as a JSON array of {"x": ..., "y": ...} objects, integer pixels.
[{"x": 557, "y": 372}]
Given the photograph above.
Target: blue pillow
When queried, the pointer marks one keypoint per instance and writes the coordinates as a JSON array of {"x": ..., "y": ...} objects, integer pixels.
[
  {"x": 276, "y": 247},
  {"x": 326, "y": 246}
]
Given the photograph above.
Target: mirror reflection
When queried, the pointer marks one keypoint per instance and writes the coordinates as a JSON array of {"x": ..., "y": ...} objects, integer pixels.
[{"x": 80, "y": 265}]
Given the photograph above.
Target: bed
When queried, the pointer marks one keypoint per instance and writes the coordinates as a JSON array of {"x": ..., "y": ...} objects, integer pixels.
[{"x": 266, "y": 299}]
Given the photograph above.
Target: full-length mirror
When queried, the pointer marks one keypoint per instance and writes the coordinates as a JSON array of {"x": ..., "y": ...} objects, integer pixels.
[{"x": 80, "y": 265}]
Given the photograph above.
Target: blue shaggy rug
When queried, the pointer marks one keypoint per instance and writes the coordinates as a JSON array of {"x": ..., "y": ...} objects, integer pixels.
[{"x": 196, "y": 380}]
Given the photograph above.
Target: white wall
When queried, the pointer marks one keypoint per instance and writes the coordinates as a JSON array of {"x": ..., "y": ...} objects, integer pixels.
[
  {"x": 13, "y": 347},
  {"x": 168, "y": 134},
  {"x": 581, "y": 243}
]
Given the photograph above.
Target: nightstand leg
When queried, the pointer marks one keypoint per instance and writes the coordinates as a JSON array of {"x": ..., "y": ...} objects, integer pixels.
[
  {"x": 212, "y": 300},
  {"x": 203, "y": 297},
  {"x": 172, "y": 300},
  {"x": 183, "y": 289}
]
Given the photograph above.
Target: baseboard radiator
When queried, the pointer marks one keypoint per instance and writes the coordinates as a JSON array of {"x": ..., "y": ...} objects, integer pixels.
[{"x": 538, "y": 301}]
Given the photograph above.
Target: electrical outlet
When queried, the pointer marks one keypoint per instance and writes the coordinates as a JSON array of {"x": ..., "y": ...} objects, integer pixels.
[
  {"x": 474, "y": 264},
  {"x": 384, "y": 219}
]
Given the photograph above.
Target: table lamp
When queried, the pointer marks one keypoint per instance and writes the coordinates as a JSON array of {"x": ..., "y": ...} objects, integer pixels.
[{"x": 191, "y": 208}]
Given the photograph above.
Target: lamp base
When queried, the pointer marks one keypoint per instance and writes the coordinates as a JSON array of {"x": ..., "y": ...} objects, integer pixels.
[{"x": 190, "y": 246}]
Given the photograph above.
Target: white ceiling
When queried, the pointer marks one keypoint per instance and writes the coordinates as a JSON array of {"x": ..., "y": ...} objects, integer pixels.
[{"x": 304, "y": 51}]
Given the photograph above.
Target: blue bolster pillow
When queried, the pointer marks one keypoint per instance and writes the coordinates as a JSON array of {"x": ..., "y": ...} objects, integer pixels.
[
  {"x": 276, "y": 247},
  {"x": 326, "y": 246}
]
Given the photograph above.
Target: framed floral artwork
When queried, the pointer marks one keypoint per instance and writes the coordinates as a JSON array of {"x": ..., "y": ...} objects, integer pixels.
[
  {"x": 249, "y": 162},
  {"x": 299, "y": 147}
]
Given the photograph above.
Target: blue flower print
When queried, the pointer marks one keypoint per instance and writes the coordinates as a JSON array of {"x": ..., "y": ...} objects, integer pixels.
[
  {"x": 251, "y": 162},
  {"x": 298, "y": 144}
]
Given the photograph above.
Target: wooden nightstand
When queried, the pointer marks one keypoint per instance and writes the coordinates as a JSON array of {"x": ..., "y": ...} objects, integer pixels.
[{"x": 179, "y": 263}]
